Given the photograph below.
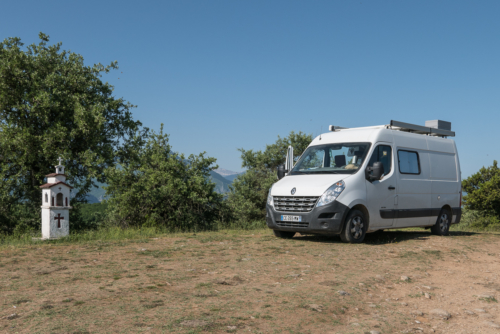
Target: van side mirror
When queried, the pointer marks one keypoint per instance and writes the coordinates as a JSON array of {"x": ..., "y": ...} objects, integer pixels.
[
  {"x": 375, "y": 173},
  {"x": 281, "y": 171}
]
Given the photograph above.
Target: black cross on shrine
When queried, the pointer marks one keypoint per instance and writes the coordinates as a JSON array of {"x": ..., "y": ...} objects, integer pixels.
[{"x": 58, "y": 218}]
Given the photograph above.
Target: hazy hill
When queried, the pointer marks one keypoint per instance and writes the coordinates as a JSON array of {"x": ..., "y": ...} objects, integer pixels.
[
  {"x": 231, "y": 177},
  {"x": 221, "y": 183},
  {"x": 228, "y": 174},
  {"x": 224, "y": 172}
]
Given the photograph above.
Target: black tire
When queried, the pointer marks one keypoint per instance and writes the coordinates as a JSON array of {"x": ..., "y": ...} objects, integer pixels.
[
  {"x": 355, "y": 227},
  {"x": 443, "y": 222},
  {"x": 284, "y": 234}
]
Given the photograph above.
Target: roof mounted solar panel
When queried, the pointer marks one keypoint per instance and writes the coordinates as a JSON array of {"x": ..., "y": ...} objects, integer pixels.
[{"x": 424, "y": 130}]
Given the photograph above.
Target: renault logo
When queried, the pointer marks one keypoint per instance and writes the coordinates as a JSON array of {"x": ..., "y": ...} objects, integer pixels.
[{"x": 293, "y": 191}]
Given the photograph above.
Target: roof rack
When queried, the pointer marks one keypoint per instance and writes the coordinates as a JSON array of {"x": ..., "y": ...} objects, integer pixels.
[{"x": 413, "y": 128}]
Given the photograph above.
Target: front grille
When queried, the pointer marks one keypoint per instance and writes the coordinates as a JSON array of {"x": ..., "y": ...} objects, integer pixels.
[
  {"x": 294, "y": 204},
  {"x": 292, "y": 224}
]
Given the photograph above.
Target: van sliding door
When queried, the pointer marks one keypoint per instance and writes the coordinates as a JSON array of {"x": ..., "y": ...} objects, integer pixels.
[{"x": 414, "y": 188}]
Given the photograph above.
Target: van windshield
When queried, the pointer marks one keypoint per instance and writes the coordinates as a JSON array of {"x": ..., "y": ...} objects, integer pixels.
[{"x": 338, "y": 158}]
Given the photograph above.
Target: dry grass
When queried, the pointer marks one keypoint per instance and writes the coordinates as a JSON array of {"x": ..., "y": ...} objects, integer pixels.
[{"x": 252, "y": 282}]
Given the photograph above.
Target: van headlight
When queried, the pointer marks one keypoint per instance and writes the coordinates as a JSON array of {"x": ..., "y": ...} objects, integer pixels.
[
  {"x": 331, "y": 194},
  {"x": 270, "y": 200}
]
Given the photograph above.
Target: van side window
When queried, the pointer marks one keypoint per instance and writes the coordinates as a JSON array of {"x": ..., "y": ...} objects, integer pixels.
[
  {"x": 409, "y": 162},
  {"x": 383, "y": 154}
]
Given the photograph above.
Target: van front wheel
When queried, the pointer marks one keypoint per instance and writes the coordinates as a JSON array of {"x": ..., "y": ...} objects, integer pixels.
[
  {"x": 442, "y": 226},
  {"x": 355, "y": 227}
]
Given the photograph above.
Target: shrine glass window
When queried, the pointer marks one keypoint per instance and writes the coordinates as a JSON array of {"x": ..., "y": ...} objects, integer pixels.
[{"x": 59, "y": 199}]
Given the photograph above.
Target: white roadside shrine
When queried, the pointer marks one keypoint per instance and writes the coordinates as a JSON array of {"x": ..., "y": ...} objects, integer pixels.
[{"x": 55, "y": 205}]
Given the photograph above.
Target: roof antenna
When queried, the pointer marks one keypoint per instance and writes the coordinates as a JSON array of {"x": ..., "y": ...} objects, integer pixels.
[{"x": 320, "y": 132}]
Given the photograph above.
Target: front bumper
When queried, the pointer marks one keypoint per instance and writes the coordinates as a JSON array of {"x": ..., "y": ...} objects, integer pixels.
[{"x": 327, "y": 219}]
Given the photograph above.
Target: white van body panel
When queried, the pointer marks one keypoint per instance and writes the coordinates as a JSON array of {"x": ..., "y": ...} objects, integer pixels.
[
  {"x": 399, "y": 199},
  {"x": 306, "y": 185}
]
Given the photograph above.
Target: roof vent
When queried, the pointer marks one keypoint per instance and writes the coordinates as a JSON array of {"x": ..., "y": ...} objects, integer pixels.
[{"x": 437, "y": 124}]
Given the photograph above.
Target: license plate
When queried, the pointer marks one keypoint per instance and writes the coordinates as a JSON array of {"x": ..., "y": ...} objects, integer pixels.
[{"x": 291, "y": 218}]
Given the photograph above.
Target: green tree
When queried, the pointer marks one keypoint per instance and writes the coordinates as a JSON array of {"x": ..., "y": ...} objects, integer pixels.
[
  {"x": 153, "y": 186},
  {"x": 52, "y": 104},
  {"x": 483, "y": 190},
  {"x": 247, "y": 199}
]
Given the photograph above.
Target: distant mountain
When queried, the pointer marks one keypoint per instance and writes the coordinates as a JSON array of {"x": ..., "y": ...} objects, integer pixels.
[
  {"x": 224, "y": 172},
  {"x": 91, "y": 199},
  {"x": 221, "y": 184},
  {"x": 231, "y": 178},
  {"x": 96, "y": 194}
]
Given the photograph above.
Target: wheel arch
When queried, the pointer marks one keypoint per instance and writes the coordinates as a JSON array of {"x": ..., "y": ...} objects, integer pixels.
[
  {"x": 361, "y": 208},
  {"x": 447, "y": 207}
]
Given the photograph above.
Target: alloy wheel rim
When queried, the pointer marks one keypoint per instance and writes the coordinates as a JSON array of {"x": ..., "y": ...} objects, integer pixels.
[
  {"x": 357, "y": 227},
  {"x": 443, "y": 222}
]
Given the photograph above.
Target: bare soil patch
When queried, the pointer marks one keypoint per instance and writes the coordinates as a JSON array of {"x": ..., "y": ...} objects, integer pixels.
[{"x": 397, "y": 282}]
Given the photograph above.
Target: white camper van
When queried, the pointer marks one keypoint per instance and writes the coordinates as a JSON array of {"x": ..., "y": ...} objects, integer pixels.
[{"x": 359, "y": 180}]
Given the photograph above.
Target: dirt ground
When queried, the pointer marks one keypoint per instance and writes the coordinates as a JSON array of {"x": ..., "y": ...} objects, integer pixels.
[{"x": 238, "y": 282}]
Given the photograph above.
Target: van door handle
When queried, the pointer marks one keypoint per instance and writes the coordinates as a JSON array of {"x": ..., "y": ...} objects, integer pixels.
[{"x": 392, "y": 188}]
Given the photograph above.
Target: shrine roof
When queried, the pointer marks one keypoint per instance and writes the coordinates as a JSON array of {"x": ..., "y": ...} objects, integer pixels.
[
  {"x": 50, "y": 185},
  {"x": 55, "y": 174}
]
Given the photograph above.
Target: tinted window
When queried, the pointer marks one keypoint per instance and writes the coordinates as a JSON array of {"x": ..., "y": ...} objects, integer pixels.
[
  {"x": 383, "y": 154},
  {"x": 408, "y": 162}
]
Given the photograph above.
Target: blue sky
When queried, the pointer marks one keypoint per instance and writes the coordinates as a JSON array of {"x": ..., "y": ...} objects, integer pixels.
[{"x": 228, "y": 74}]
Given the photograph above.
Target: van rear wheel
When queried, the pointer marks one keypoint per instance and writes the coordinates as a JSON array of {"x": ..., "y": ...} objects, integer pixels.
[
  {"x": 443, "y": 222},
  {"x": 355, "y": 227},
  {"x": 284, "y": 234}
]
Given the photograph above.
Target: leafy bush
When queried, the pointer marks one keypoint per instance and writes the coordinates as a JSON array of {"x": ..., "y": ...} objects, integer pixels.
[
  {"x": 474, "y": 220},
  {"x": 483, "y": 191},
  {"x": 248, "y": 196},
  {"x": 152, "y": 186}
]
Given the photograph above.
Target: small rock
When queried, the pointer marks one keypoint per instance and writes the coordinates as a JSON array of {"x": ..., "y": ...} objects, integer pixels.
[
  {"x": 440, "y": 314},
  {"x": 343, "y": 293},
  {"x": 12, "y": 316},
  {"x": 361, "y": 284},
  {"x": 427, "y": 287},
  {"x": 479, "y": 310},
  {"x": 372, "y": 305},
  {"x": 231, "y": 327},
  {"x": 380, "y": 278},
  {"x": 417, "y": 322},
  {"x": 428, "y": 296},
  {"x": 404, "y": 304},
  {"x": 374, "y": 332},
  {"x": 354, "y": 324},
  {"x": 405, "y": 278},
  {"x": 469, "y": 312},
  {"x": 417, "y": 313},
  {"x": 492, "y": 324},
  {"x": 315, "y": 307}
]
